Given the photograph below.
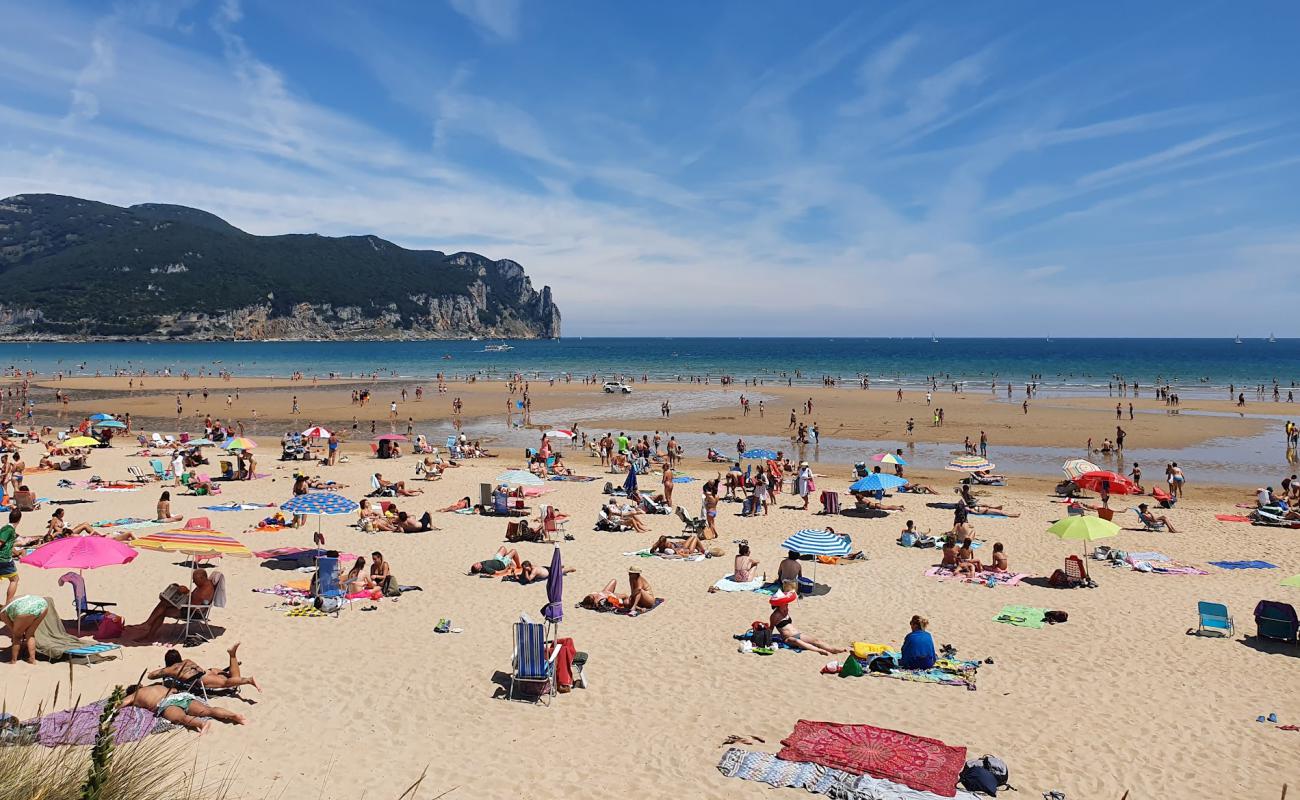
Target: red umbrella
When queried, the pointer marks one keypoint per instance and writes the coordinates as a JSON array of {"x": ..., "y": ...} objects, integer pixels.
[{"x": 1118, "y": 484}]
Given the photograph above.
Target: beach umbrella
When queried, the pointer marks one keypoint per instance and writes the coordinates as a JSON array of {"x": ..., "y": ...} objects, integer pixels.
[
  {"x": 520, "y": 477},
  {"x": 758, "y": 452},
  {"x": 1083, "y": 529},
  {"x": 809, "y": 542},
  {"x": 98, "y": 417},
  {"x": 238, "y": 443},
  {"x": 319, "y": 504},
  {"x": 877, "y": 482},
  {"x": 553, "y": 611},
  {"x": 302, "y": 555},
  {"x": 317, "y": 432},
  {"x": 82, "y": 441},
  {"x": 629, "y": 483},
  {"x": 194, "y": 542},
  {"x": 80, "y": 552},
  {"x": 391, "y": 437},
  {"x": 560, "y": 433},
  {"x": 888, "y": 458},
  {"x": 969, "y": 464},
  {"x": 1117, "y": 484},
  {"x": 1078, "y": 466},
  {"x": 108, "y": 423}
]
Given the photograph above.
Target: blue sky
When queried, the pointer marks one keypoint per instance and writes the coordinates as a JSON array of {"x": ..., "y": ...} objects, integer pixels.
[{"x": 746, "y": 168}]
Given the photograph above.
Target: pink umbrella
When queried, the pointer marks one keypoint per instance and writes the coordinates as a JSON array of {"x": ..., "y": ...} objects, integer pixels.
[
  {"x": 391, "y": 437},
  {"x": 80, "y": 552}
]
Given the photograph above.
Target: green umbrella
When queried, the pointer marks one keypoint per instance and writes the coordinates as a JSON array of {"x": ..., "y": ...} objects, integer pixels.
[{"x": 1084, "y": 529}]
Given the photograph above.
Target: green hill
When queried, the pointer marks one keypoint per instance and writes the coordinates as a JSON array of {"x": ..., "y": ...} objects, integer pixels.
[{"x": 73, "y": 267}]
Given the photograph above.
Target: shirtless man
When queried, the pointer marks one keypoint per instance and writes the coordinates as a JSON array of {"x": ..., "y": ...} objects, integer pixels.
[
  {"x": 499, "y": 562},
  {"x": 530, "y": 573},
  {"x": 182, "y": 708},
  {"x": 201, "y": 595},
  {"x": 397, "y": 486},
  {"x": 186, "y": 672}
]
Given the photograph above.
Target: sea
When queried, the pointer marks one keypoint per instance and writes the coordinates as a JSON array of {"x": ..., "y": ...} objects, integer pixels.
[
  {"x": 1194, "y": 368},
  {"x": 1069, "y": 366}
]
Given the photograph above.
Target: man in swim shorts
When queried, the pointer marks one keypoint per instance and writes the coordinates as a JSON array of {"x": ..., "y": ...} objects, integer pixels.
[{"x": 182, "y": 708}]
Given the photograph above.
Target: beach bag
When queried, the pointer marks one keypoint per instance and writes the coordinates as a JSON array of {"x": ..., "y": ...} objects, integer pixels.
[
  {"x": 1055, "y": 617},
  {"x": 110, "y": 627},
  {"x": 863, "y": 651},
  {"x": 761, "y": 635},
  {"x": 988, "y": 773},
  {"x": 881, "y": 663},
  {"x": 391, "y": 588},
  {"x": 925, "y": 541}
]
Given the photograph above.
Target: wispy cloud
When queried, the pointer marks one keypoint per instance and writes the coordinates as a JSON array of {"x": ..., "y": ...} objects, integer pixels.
[{"x": 497, "y": 19}]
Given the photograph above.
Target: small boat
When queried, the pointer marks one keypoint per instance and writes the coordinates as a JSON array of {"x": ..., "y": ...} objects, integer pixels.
[
  {"x": 447, "y": 357},
  {"x": 1236, "y": 340},
  {"x": 497, "y": 348},
  {"x": 1271, "y": 339},
  {"x": 934, "y": 338}
]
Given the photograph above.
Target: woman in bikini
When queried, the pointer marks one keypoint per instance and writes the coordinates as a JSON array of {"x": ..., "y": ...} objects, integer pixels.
[
  {"x": 164, "y": 510},
  {"x": 189, "y": 676},
  {"x": 357, "y": 580},
  {"x": 379, "y": 569},
  {"x": 606, "y": 599},
  {"x": 783, "y": 626},
  {"x": 666, "y": 547}
]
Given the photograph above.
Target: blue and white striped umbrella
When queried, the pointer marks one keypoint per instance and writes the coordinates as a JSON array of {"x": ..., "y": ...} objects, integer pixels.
[
  {"x": 877, "y": 482},
  {"x": 810, "y": 542},
  {"x": 319, "y": 503},
  {"x": 758, "y": 452},
  {"x": 107, "y": 423},
  {"x": 520, "y": 477}
]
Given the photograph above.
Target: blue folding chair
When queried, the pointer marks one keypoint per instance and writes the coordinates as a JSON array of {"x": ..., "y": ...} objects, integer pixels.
[
  {"x": 90, "y": 612},
  {"x": 328, "y": 580},
  {"x": 533, "y": 662},
  {"x": 1214, "y": 618}
]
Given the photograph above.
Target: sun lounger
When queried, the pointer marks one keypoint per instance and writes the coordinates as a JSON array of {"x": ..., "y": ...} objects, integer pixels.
[{"x": 691, "y": 525}]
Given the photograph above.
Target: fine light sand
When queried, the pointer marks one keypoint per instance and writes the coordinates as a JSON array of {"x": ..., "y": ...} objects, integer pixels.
[{"x": 1118, "y": 698}]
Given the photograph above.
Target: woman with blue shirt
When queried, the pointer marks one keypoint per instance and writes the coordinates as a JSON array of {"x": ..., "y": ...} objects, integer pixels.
[{"x": 918, "y": 646}]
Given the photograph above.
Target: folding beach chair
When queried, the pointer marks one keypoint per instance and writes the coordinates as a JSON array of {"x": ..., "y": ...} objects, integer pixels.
[
  {"x": 533, "y": 662},
  {"x": 1146, "y": 525},
  {"x": 551, "y": 522},
  {"x": 328, "y": 584},
  {"x": 690, "y": 525},
  {"x": 1276, "y": 620},
  {"x": 156, "y": 440},
  {"x": 830, "y": 502},
  {"x": 90, "y": 612},
  {"x": 1076, "y": 572},
  {"x": 138, "y": 475},
  {"x": 1214, "y": 618},
  {"x": 159, "y": 469},
  {"x": 198, "y": 618}
]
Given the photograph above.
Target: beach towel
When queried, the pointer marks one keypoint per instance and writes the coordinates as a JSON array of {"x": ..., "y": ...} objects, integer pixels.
[
  {"x": 127, "y": 523},
  {"x": 305, "y": 611},
  {"x": 1021, "y": 616},
  {"x": 54, "y": 642},
  {"x": 947, "y": 671},
  {"x": 572, "y": 478},
  {"x": 728, "y": 585},
  {"x": 116, "y": 487},
  {"x": 645, "y": 553},
  {"x": 79, "y": 726},
  {"x": 1147, "y": 556},
  {"x": 999, "y": 578},
  {"x": 938, "y": 544},
  {"x": 916, "y": 761},
  {"x": 840, "y": 785},
  {"x": 1231, "y": 518},
  {"x": 1243, "y": 565},
  {"x": 624, "y": 612},
  {"x": 682, "y": 479},
  {"x": 237, "y": 507},
  {"x": 1160, "y": 564}
]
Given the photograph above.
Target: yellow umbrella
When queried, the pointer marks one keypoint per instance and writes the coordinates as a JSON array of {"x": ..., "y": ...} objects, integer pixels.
[
  {"x": 82, "y": 441},
  {"x": 194, "y": 543}
]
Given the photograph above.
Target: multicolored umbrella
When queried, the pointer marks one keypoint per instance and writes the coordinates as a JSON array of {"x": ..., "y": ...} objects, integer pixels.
[
  {"x": 560, "y": 433},
  {"x": 809, "y": 542},
  {"x": 80, "y": 552},
  {"x": 969, "y": 464},
  {"x": 1078, "y": 466},
  {"x": 82, "y": 441},
  {"x": 888, "y": 458},
  {"x": 877, "y": 482},
  {"x": 1113, "y": 482},
  {"x": 194, "y": 543},
  {"x": 319, "y": 503},
  {"x": 238, "y": 443},
  {"x": 519, "y": 477}
]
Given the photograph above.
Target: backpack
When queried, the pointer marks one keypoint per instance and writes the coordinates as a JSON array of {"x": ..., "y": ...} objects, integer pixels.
[
  {"x": 1058, "y": 579},
  {"x": 391, "y": 588},
  {"x": 1053, "y": 617},
  {"x": 761, "y": 635},
  {"x": 986, "y": 774}
]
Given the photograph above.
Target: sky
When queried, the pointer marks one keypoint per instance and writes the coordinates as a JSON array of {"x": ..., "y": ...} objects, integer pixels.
[{"x": 720, "y": 168}]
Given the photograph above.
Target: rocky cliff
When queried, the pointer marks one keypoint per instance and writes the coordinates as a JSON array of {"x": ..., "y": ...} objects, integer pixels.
[{"x": 79, "y": 269}]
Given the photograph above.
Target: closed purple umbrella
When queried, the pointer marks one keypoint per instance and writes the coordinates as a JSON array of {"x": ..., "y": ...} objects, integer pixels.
[
  {"x": 554, "y": 608},
  {"x": 629, "y": 484}
]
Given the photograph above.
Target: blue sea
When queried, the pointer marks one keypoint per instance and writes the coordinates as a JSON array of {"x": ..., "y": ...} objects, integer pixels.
[{"x": 1196, "y": 367}]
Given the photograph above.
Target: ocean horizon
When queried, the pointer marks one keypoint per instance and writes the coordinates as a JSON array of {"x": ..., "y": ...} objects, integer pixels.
[{"x": 1194, "y": 367}]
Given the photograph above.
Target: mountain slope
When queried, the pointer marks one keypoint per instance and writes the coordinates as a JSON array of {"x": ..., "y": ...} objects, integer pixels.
[{"x": 73, "y": 267}]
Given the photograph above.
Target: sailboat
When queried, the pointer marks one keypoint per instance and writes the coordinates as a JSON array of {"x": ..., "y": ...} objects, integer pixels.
[
  {"x": 1271, "y": 339},
  {"x": 1237, "y": 339},
  {"x": 934, "y": 338}
]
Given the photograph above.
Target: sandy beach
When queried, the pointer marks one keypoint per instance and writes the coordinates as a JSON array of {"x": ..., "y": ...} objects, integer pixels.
[{"x": 361, "y": 704}]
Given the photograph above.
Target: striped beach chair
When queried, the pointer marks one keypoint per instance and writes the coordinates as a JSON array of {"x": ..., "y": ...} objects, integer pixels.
[{"x": 533, "y": 663}]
